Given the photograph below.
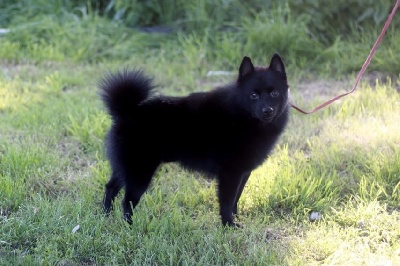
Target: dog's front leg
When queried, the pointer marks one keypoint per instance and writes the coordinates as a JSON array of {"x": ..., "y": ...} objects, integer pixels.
[
  {"x": 228, "y": 187},
  {"x": 243, "y": 182}
]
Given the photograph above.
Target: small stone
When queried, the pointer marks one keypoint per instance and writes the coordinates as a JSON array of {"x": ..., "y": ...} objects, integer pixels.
[{"x": 314, "y": 216}]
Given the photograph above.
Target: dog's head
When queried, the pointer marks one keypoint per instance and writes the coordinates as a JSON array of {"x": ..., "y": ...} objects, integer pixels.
[{"x": 263, "y": 90}]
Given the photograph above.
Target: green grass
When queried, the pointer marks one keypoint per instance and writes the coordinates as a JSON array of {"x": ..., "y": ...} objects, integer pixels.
[{"x": 343, "y": 161}]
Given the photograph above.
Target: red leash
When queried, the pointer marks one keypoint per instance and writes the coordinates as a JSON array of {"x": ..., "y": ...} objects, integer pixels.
[{"x": 364, "y": 67}]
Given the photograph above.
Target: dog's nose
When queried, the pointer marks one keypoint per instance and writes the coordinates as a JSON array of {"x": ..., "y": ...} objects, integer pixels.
[{"x": 268, "y": 110}]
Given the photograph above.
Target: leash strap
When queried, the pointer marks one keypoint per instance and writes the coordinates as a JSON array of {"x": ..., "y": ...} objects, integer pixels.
[{"x": 363, "y": 68}]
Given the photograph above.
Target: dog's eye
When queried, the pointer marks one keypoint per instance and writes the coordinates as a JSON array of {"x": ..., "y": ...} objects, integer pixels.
[
  {"x": 274, "y": 93},
  {"x": 254, "y": 96}
]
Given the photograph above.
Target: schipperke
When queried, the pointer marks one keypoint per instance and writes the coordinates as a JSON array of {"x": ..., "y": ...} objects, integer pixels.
[{"x": 225, "y": 133}]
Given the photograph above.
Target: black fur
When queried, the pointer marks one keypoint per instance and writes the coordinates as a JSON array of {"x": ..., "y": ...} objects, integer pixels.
[{"x": 225, "y": 133}]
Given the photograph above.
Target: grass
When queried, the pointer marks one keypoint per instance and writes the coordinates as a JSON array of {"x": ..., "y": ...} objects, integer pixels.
[
  {"x": 53, "y": 170},
  {"x": 342, "y": 162}
]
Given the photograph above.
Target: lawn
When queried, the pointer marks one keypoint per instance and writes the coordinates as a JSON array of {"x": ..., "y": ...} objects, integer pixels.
[{"x": 342, "y": 162}]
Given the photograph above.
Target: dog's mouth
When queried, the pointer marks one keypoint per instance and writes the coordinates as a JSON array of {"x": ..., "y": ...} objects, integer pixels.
[
  {"x": 267, "y": 118},
  {"x": 264, "y": 118}
]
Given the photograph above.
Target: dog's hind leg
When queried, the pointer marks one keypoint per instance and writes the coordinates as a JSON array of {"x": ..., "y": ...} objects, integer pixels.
[
  {"x": 136, "y": 183},
  {"x": 113, "y": 186}
]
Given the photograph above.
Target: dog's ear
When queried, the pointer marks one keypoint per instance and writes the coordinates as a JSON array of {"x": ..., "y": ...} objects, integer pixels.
[
  {"x": 246, "y": 68},
  {"x": 277, "y": 65}
]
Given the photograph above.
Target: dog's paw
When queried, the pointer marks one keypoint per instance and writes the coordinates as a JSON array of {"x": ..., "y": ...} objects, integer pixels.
[{"x": 128, "y": 218}]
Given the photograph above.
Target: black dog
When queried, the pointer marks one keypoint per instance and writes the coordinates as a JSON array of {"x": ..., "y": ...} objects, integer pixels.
[{"x": 225, "y": 133}]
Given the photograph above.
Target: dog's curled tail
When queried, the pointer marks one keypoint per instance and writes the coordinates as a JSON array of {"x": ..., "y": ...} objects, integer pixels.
[{"x": 123, "y": 91}]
